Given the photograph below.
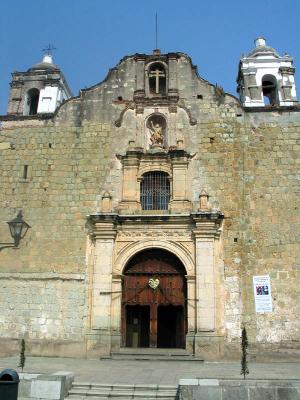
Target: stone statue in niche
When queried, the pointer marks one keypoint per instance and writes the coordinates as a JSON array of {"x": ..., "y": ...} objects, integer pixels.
[
  {"x": 156, "y": 137},
  {"x": 156, "y": 125}
]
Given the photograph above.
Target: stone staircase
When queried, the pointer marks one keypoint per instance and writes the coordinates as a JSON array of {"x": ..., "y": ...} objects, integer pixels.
[
  {"x": 157, "y": 354},
  {"x": 93, "y": 391}
]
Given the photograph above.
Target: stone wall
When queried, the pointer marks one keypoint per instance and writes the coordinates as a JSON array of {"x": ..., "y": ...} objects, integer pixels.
[
  {"x": 217, "y": 389},
  {"x": 271, "y": 227},
  {"x": 47, "y": 309}
]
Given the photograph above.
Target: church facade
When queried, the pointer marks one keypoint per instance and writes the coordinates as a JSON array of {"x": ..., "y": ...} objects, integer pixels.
[{"x": 156, "y": 202}]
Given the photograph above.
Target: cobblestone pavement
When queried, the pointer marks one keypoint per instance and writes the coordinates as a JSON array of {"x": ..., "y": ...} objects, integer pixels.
[{"x": 153, "y": 372}]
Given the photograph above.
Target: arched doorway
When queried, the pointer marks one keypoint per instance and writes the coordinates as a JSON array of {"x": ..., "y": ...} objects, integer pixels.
[{"x": 154, "y": 301}]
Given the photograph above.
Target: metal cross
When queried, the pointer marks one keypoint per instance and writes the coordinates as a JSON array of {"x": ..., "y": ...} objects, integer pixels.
[{"x": 49, "y": 50}]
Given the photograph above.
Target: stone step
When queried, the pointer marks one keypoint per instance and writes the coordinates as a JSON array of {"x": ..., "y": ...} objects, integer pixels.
[
  {"x": 152, "y": 350},
  {"x": 153, "y": 354},
  {"x": 154, "y": 358},
  {"x": 77, "y": 397},
  {"x": 90, "y": 391}
]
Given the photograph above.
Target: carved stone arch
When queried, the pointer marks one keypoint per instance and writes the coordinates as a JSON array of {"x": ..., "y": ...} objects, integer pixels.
[
  {"x": 183, "y": 255},
  {"x": 158, "y": 115},
  {"x": 150, "y": 64},
  {"x": 151, "y": 167}
]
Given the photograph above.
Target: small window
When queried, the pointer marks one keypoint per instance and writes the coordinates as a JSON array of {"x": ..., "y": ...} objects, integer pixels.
[
  {"x": 269, "y": 89},
  {"x": 155, "y": 191},
  {"x": 157, "y": 79},
  {"x": 25, "y": 172},
  {"x": 32, "y": 102}
]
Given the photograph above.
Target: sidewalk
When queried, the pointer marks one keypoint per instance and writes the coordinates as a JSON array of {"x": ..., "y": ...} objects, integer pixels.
[{"x": 151, "y": 372}]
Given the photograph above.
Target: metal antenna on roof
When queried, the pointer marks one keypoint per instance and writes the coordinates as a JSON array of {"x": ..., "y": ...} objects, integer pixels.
[
  {"x": 156, "y": 32},
  {"x": 49, "y": 50}
]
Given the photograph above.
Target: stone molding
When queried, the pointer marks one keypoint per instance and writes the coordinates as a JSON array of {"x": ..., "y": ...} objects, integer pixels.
[
  {"x": 135, "y": 247},
  {"x": 176, "y": 233},
  {"x": 41, "y": 276},
  {"x": 208, "y": 224}
]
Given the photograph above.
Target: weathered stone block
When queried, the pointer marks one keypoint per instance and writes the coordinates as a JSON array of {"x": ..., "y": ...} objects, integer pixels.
[
  {"x": 288, "y": 393},
  {"x": 234, "y": 393},
  {"x": 260, "y": 393}
]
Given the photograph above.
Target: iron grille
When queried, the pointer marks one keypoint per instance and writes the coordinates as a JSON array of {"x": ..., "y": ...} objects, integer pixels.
[{"x": 155, "y": 191}]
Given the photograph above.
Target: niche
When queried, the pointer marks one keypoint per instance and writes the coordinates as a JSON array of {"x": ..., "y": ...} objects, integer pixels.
[{"x": 157, "y": 125}]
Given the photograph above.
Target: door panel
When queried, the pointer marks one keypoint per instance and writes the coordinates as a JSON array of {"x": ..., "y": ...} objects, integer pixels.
[
  {"x": 170, "y": 327},
  {"x": 137, "y": 326}
]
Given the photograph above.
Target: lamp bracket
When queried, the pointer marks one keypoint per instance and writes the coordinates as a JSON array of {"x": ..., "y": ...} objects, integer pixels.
[{"x": 5, "y": 245}]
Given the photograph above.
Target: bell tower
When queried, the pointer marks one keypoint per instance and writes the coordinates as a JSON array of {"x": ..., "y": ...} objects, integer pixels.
[
  {"x": 39, "y": 90},
  {"x": 265, "y": 78}
]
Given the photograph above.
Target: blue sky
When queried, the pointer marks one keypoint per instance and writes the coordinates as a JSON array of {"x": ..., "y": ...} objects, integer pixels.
[{"x": 91, "y": 36}]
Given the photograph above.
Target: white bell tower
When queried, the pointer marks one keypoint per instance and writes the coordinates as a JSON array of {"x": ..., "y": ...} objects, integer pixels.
[
  {"x": 265, "y": 78},
  {"x": 40, "y": 90}
]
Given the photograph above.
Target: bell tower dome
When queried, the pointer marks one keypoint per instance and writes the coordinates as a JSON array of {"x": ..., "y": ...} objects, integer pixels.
[
  {"x": 265, "y": 78},
  {"x": 39, "y": 90}
]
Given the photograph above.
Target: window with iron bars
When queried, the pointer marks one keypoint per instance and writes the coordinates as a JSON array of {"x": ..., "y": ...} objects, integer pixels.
[{"x": 155, "y": 191}]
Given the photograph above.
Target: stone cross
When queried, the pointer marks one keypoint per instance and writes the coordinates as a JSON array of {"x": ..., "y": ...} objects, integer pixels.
[{"x": 157, "y": 73}]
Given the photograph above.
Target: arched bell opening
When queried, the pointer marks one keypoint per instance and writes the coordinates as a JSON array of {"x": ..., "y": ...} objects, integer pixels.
[
  {"x": 154, "y": 306},
  {"x": 269, "y": 90},
  {"x": 32, "y": 102}
]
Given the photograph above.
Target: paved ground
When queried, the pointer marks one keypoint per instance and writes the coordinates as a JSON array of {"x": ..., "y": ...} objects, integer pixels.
[{"x": 156, "y": 372}]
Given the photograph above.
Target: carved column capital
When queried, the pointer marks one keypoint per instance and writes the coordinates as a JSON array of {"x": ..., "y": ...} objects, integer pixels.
[
  {"x": 103, "y": 226},
  {"x": 208, "y": 224}
]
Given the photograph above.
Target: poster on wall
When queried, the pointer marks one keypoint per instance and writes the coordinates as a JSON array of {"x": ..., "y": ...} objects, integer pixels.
[{"x": 262, "y": 294}]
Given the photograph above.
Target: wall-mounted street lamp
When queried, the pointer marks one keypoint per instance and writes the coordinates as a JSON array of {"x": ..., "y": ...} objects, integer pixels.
[{"x": 18, "y": 228}]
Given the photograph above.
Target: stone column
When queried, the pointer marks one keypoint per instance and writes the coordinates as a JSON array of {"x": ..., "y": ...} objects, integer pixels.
[
  {"x": 180, "y": 163},
  {"x": 116, "y": 312},
  {"x": 140, "y": 73},
  {"x": 288, "y": 84},
  {"x": 99, "y": 339},
  {"x": 191, "y": 312},
  {"x": 130, "y": 189},
  {"x": 207, "y": 340},
  {"x": 172, "y": 75},
  {"x": 255, "y": 91},
  {"x": 16, "y": 101},
  {"x": 205, "y": 284},
  {"x": 140, "y": 77}
]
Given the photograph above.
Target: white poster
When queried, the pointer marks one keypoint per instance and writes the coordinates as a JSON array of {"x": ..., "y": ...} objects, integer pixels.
[{"x": 262, "y": 294}]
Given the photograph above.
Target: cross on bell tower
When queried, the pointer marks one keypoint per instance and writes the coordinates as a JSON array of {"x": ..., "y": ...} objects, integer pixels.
[{"x": 49, "y": 50}]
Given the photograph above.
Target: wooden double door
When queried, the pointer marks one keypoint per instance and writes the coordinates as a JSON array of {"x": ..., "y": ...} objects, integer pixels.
[{"x": 154, "y": 301}]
